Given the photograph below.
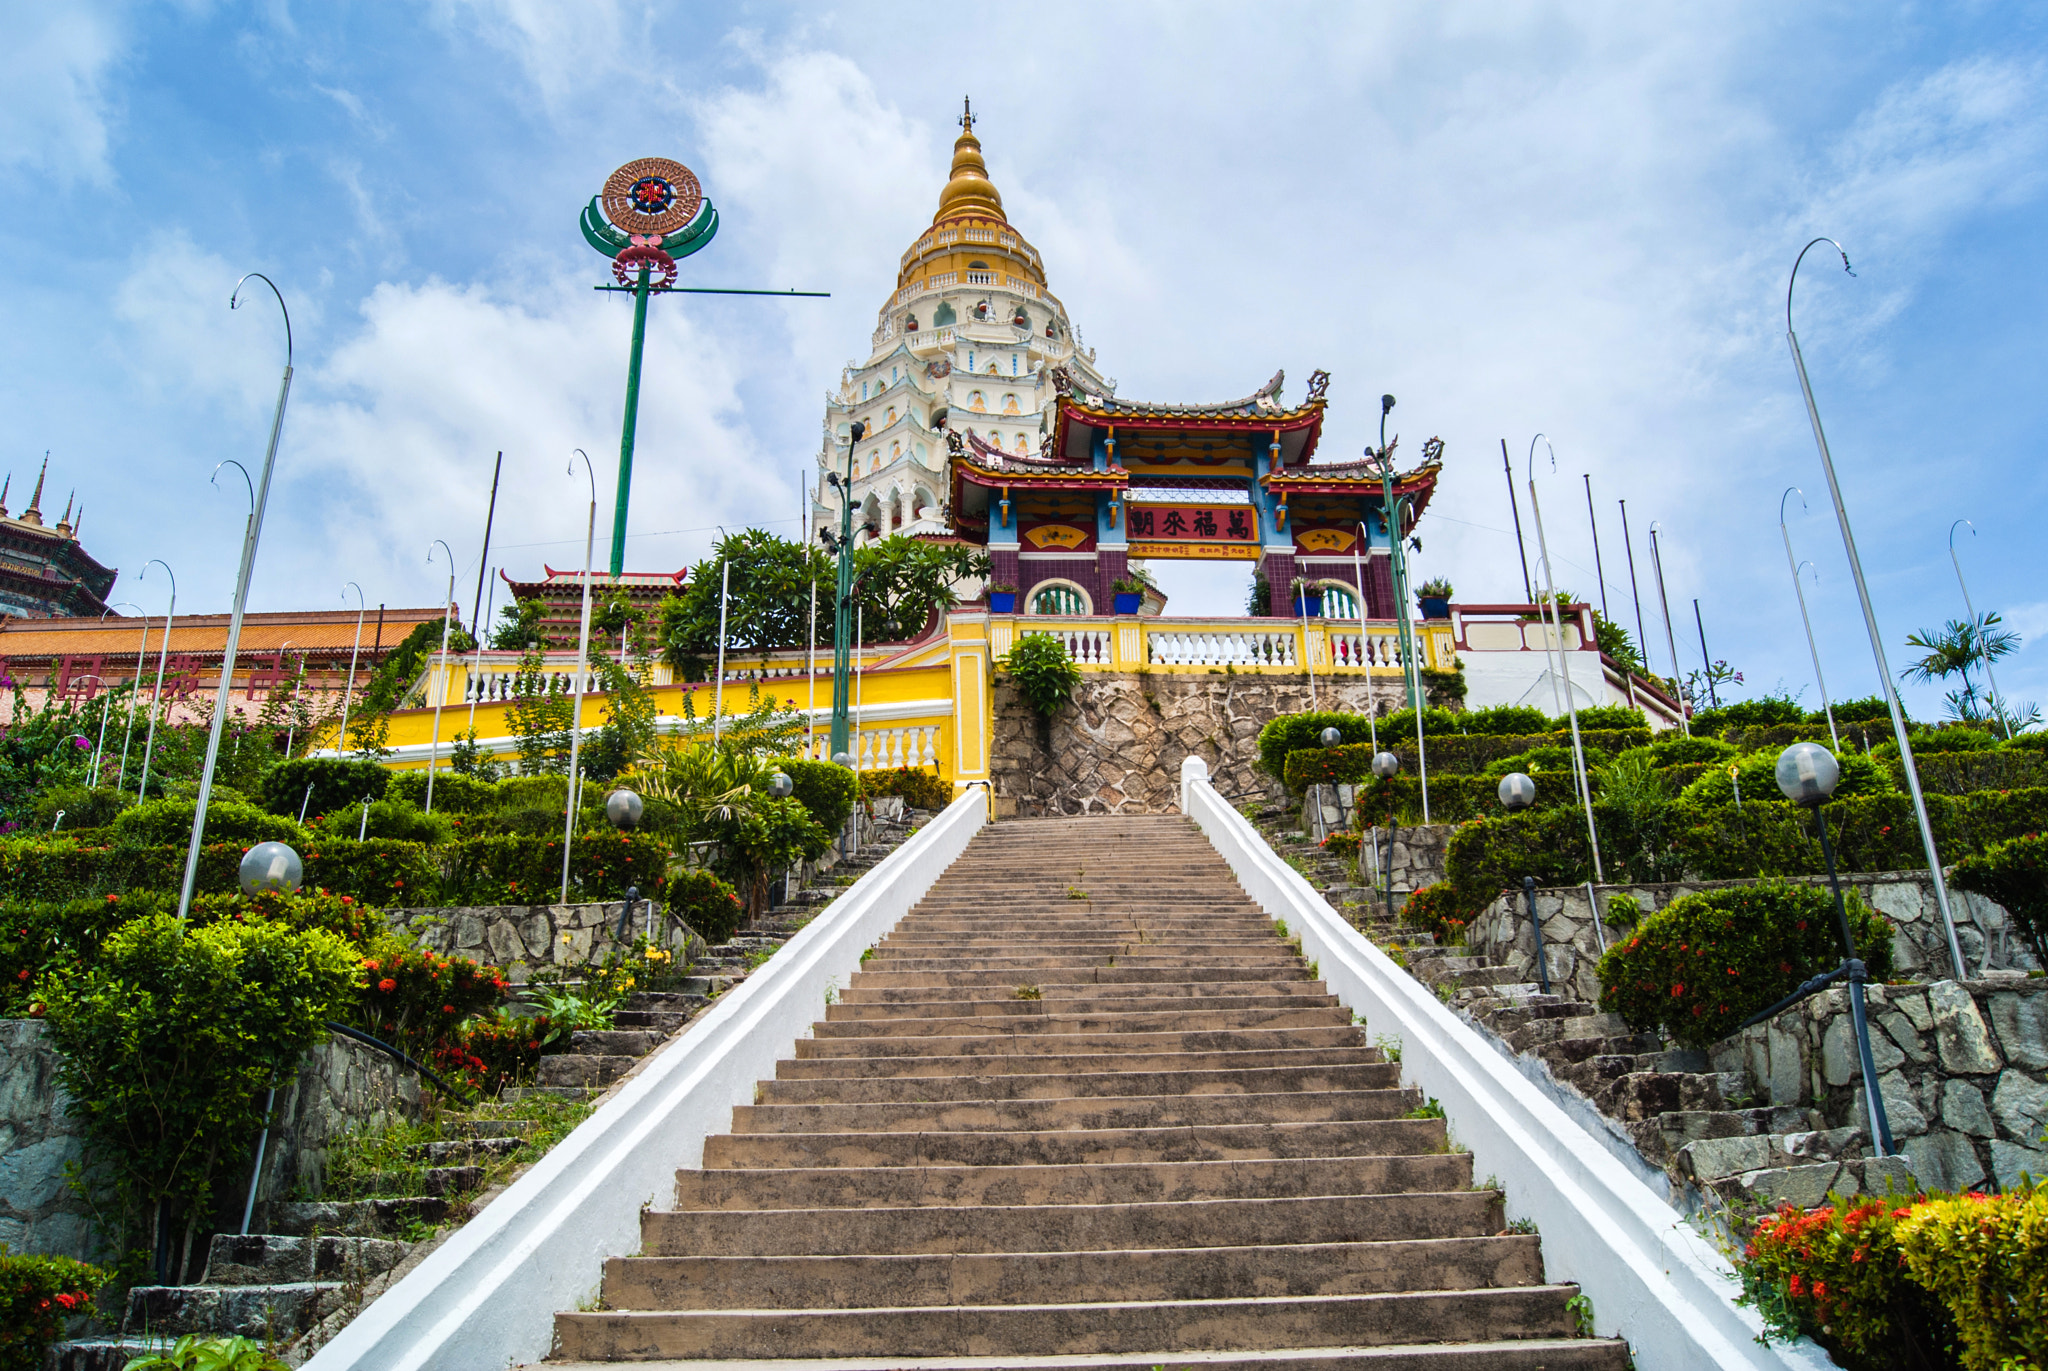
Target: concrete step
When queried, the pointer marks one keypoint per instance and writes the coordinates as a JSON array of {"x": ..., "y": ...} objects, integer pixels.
[
  {"x": 364, "y": 1218},
  {"x": 271, "y": 1258},
  {"x": 1064, "y": 1085},
  {"x": 1011, "y": 1278},
  {"x": 986, "y": 1067},
  {"x": 1111, "y": 1183},
  {"x": 1058, "y": 1022},
  {"x": 986, "y": 1044},
  {"x": 265, "y": 1312},
  {"x": 1040, "y": 1330},
  {"x": 583, "y": 1071},
  {"x": 1095, "y": 1113},
  {"x": 1219, "y": 1142}
]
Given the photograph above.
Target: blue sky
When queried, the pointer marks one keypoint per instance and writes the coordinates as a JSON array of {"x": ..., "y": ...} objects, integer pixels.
[{"x": 1573, "y": 219}]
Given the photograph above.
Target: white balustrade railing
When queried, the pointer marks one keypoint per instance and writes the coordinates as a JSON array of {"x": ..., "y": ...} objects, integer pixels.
[
  {"x": 981, "y": 278},
  {"x": 1255, "y": 647},
  {"x": 1351, "y": 649},
  {"x": 978, "y": 235},
  {"x": 1086, "y": 646},
  {"x": 496, "y": 687},
  {"x": 931, "y": 337},
  {"x": 889, "y": 748}
]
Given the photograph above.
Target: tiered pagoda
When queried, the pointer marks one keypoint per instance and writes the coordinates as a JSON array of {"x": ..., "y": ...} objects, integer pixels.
[
  {"x": 44, "y": 573},
  {"x": 1117, "y": 480}
]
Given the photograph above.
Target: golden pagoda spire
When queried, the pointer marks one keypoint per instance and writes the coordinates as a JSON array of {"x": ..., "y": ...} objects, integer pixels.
[{"x": 968, "y": 190}]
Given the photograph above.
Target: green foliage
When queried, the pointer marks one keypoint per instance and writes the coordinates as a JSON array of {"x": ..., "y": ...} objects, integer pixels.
[
  {"x": 1952, "y": 650},
  {"x": 1611, "y": 718},
  {"x": 1760, "y": 713},
  {"x": 80, "y": 807},
  {"x": 1675, "y": 749},
  {"x": 167, "y": 1039},
  {"x": 1434, "y": 909},
  {"x": 38, "y": 1296},
  {"x": 488, "y": 1052},
  {"x": 602, "y": 864},
  {"x": 1635, "y": 817},
  {"x": 1508, "y": 721},
  {"x": 1928, "y": 741},
  {"x": 519, "y": 626},
  {"x": 43, "y": 749},
  {"x": 416, "y": 999},
  {"x": 1488, "y": 856},
  {"x": 919, "y": 788},
  {"x": 628, "y": 730},
  {"x": 1449, "y": 757},
  {"x": 1039, "y": 664},
  {"x": 826, "y": 789},
  {"x": 1758, "y": 773},
  {"x": 1837, "y": 1275},
  {"x": 765, "y": 836},
  {"x": 169, "y": 822},
  {"x": 1960, "y": 773},
  {"x": 194, "y": 1352},
  {"x": 1288, "y": 734},
  {"x": 1865, "y": 709},
  {"x": 1614, "y": 640},
  {"x": 1985, "y": 1258},
  {"x": 1435, "y": 722},
  {"x": 338, "y": 783},
  {"x": 390, "y": 819},
  {"x": 1698, "y": 967},
  {"x": 458, "y": 794},
  {"x": 542, "y": 713},
  {"x": 2014, "y": 874},
  {"x": 573, "y": 1011},
  {"x": 707, "y": 906},
  {"x": 1550, "y": 757},
  {"x": 1444, "y": 689}
]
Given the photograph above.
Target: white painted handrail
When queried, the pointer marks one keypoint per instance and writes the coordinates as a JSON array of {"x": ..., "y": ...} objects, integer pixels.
[
  {"x": 486, "y": 1299},
  {"x": 1650, "y": 1277}
]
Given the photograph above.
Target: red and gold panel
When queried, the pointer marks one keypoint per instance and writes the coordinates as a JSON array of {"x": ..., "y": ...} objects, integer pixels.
[
  {"x": 1195, "y": 523},
  {"x": 1059, "y": 537}
]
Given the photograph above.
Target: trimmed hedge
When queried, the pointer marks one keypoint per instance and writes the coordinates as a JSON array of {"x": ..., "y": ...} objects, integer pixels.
[
  {"x": 1959, "y": 773},
  {"x": 170, "y": 822},
  {"x": 711, "y": 908},
  {"x": 337, "y": 783},
  {"x": 1698, "y": 967},
  {"x": 1758, "y": 773},
  {"x": 920, "y": 789},
  {"x": 1455, "y": 755},
  {"x": 826, "y": 789}
]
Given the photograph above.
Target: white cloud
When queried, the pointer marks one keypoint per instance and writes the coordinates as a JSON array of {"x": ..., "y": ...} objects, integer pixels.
[
  {"x": 563, "y": 49},
  {"x": 55, "y": 109}
]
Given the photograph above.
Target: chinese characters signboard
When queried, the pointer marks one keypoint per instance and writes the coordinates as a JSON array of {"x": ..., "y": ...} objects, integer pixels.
[{"x": 1194, "y": 531}]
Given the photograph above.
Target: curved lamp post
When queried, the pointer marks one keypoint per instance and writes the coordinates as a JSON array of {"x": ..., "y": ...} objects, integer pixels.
[
  {"x": 134, "y": 690},
  {"x": 1670, "y": 638},
  {"x": 447, "y": 610},
  {"x": 1585, "y": 783},
  {"x": 582, "y": 653},
  {"x": 1997, "y": 710},
  {"x": 259, "y": 499},
  {"x": 1806, "y": 622},
  {"x": 1517, "y": 792},
  {"x": 1884, "y": 670},
  {"x": 349, "y": 689},
  {"x": 1385, "y": 767},
  {"x": 163, "y": 654},
  {"x": 1397, "y": 564}
]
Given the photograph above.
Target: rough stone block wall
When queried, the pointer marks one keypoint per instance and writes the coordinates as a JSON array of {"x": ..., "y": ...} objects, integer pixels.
[{"x": 1117, "y": 748}]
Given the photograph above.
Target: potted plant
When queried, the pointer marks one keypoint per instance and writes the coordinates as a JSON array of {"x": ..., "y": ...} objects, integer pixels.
[
  {"x": 1308, "y": 598},
  {"x": 1130, "y": 593},
  {"x": 1002, "y": 599},
  {"x": 1435, "y": 597}
]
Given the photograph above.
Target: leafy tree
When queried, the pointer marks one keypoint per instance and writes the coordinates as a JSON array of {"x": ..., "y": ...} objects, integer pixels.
[
  {"x": 1039, "y": 664},
  {"x": 519, "y": 626},
  {"x": 369, "y": 722},
  {"x": 542, "y": 712},
  {"x": 628, "y": 730},
  {"x": 1953, "y": 650}
]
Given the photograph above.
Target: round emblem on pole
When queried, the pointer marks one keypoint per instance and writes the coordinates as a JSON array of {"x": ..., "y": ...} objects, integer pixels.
[{"x": 652, "y": 196}]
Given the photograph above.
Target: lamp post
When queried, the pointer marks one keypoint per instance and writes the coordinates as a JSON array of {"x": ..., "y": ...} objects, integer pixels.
[
  {"x": 99, "y": 748},
  {"x": 134, "y": 689},
  {"x": 1670, "y": 638},
  {"x": 1517, "y": 792},
  {"x": 1585, "y": 783},
  {"x": 842, "y": 616},
  {"x": 1635, "y": 593},
  {"x": 1807, "y": 773},
  {"x": 1806, "y": 621},
  {"x": 349, "y": 688},
  {"x": 448, "y": 609},
  {"x": 1386, "y": 766},
  {"x": 718, "y": 690},
  {"x": 582, "y": 651},
  {"x": 1364, "y": 656},
  {"x": 163, "y": 654},
  {"x": 1884, "y": 670},
  {"x": 1997, "y": 710},
  {"x": 1397, "y": 565}
]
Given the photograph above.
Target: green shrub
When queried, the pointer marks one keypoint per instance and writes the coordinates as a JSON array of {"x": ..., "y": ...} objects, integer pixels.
[
  {"x": 1985, "y": 1258},
  {"x": 1435, "y": 722},
  {"x": 1282, "y": 737},
  {"x": 38, "y": 1296},
  {"x": 1512, "y": 721},
  {"x": 1837, "y": 1275},
  {"x": 156, "y": 823},
  {"x": 1612, "y": 718},
  {"x": 80, "y": 807},
  {"x": 1488, "y": 856},
  {"x": 2037, "y": 741},
  {"x": 167, "y": 1039},
  {"x": 1039, "y": 664},
  {"x": 1435, "y": 910},
  {"x": 337, "y": 782},
  {"x": 417, "y": 1000},
  {"x": 1932, "y": 741},
  {"x": 2014, "y": 874},
  {"x": 390, "y": 819},
  {"x": 1960, "y": 773},
  {"x": 826, "y": 789},
  {"x": 455, "y": 793},
  {"x": 488, "y": 1052},
  {"x": 194, "y": 1352},
  {"x": 919, "y": 788},
  {"x": 1768, "y": 712},
  {"x": 707, "y": 906},
  {"x": 1865, "y": 709},
  {"x": 1698, "y": 967},
  {"x": 1675, "y": 749},
  {"x": 480, "y": 871},
  {"x": 1550, "y": 757},
  {"x": 1449, "y": 755},
  {"x": 1758, "y": 773},
  {"x": 66, "y": 869}
]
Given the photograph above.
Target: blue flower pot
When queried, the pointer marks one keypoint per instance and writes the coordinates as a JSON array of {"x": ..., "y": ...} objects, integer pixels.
[
  {"x": 1002, "y": 601},
  {"x": 1128, "y": 604}
]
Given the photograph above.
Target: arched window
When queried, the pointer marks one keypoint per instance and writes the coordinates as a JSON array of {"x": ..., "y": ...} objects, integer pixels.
[
  {"x": 976, "y": 400},
  {"x": 1010, "y": 403},
  {"x": 1022, "y": 320},
  {"x": 943, "y": 315},
  {"x": 977, "y": 266},
  {"x": 892, "y": 416},
  {"x": 1058, "y": 597},
  {"x": 910, "y": 323},
  {"x": 970, "y": 359},
  {"x": 1339, "y": 601},
  {"x": 1020, "y": 444},
  {"x": 863, "y": 390}
]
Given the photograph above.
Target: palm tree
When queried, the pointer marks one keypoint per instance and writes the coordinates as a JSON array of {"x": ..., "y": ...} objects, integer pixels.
[{"x": 1953, "y": 650}]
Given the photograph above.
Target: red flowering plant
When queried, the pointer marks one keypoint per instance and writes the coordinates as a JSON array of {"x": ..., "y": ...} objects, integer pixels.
[
  {"x": 38, "y": 1296},
  {"x": 1837, "y": 1275},
  {"x": 492, "y": 1051},
  {"x": 1434, "y": 909},
  {"x": 416, "y": 999},
  {"x": 1698, "y": 967}
]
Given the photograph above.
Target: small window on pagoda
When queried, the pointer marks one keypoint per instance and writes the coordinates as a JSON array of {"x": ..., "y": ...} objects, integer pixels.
[
  {"x": 863, "y": 390},
  {"x": 943, "y": 315},
  {"x": 977, "y": 266}
]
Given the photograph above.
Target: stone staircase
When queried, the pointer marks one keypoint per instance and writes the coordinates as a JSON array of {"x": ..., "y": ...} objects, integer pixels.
[
  {"x": 1084, "y": 1102},
  {"x": 1683, "y": 1117},
  {"x": 300, "y": 1283}
]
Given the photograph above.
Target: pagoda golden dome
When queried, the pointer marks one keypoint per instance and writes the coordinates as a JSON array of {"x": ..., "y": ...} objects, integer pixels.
[{"x": 968, "y": 190}]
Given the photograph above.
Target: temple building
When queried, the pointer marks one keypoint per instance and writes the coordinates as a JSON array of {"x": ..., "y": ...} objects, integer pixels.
[
  {"x": 560, "y": 594},
  {"x": 965, "y": 342},
  {"x": 44, "y": 572},
  {"x": 1233, "y": 482}
]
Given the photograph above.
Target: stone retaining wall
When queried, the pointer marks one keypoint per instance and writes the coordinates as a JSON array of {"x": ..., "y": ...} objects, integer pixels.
[
  {"x": 1118, "y": 748},
  {"x": 340, "y": 1085}
]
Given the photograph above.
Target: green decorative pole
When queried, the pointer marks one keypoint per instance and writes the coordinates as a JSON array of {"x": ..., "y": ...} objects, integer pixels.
[
  {"x": 842, "y": 620},
  {"x": 641, "y": 291},
  {"x": 1410, "y": 676}
]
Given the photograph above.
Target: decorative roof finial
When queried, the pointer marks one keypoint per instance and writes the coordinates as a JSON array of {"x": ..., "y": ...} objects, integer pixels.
[
  {"x": 968, "y": 189},
  {"x": 34, "y": 513},
  {"x": 64, "y": 522},
  {"x": 967, "y": 113},
  {"x": 4, "y": 485}
]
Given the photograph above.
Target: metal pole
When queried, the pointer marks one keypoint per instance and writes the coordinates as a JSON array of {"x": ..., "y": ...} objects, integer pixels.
[
  {"x": 811, "y": 664},
  {"x": 348, "y": 691},
  {"x": 1706, "y": 661},
  {"x": 1536, "y": 925},
  {"x": 1364, "y": 657},
  {"x": 859, "y": 637},
  {"x": 483, "y": 560},
  {"x": 473, "y": 687},
  {"x": 134, "y": 693},
  {"x": 1308, "y": 666},
  {"x": 1997, "y": 710},
  {"x": 632, "y": 421},
  {"x": 163, "y": 652},
  {"x": 1599, "y": 572},
  {"x": 718, "y": 699},
  {"x": 1670, "y": 639},
  {"x": 1508, "y": 470},
  {"x": 1880, "y": 1125},
  {"x": 1799, "y": 593},
  {"x": 447, "y": 612},
  {"x": 1884, "y": 670},
  {"x": 583, "y": 632},
  {"x": 262, "y": 1142},
  {"x": 1642, "y": 639},
  {"x": 842, "y": 615},
  {"x": 1564, "y": 663}
]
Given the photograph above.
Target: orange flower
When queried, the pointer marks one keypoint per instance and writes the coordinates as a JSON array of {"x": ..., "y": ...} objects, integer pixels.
[{"x": 387, "y": 985}]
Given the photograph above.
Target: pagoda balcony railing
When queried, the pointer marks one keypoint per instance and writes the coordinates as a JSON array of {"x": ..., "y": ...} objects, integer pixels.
[
  {"x": 1130, "y": 643},
  {"x": 981, "y": 278},
  {"x": 930, "y": 338}
]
